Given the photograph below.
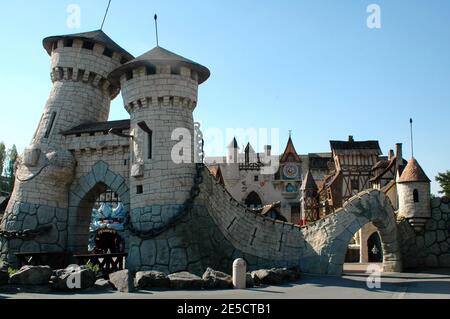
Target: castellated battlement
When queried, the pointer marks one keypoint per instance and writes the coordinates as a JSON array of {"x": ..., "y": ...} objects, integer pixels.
[
  {"x": 85, "y": 55},
  {"x": 159, "y": 86},
  {"x": 84, "y": 76}
]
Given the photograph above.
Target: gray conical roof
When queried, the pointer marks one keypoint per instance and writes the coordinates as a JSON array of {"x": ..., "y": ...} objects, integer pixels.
[
  {"x": 97, "y": 36},
  {"x": 233, "y": 143},
  {"x": 309, "y": 183},
  {"x": 160, "y": 56}
]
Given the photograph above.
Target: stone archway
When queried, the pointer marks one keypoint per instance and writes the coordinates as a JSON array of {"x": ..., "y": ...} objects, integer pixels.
[
  {"x": 253, "y": 200},
  {"x": 80, "y": 207},
  {"x": 369, "y": 206}
]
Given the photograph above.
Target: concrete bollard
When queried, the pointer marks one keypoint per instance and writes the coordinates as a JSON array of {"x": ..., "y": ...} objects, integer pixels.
[{"x": 239, "y": 273}]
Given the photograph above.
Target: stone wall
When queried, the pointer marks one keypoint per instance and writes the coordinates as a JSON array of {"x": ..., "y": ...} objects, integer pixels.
[
  {"x": 430, "y": 247},
  {"x": 219, "y": 229}
]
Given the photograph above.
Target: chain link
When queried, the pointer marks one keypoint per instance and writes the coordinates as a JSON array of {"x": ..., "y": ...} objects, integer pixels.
[
  {"x": 26, "y": 234},
  {"x": 185, "y": 209}
]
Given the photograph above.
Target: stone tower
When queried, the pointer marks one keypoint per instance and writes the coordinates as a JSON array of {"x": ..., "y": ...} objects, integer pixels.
[
  {"x": 413, "y": 189},
  {"x": 159, "y": 90},
  {"x": 232, "y": 152},
  {"x": 81, "y": 93},
  {"x": 309, "y": 199}
]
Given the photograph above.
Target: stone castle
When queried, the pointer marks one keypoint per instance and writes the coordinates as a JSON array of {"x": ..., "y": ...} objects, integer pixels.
[{"x": 181, "y": 216}]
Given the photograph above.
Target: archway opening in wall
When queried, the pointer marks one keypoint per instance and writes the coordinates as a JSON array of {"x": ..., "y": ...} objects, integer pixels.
[
  {"x": 253, "y": 200},
  {"x": 365, "y": 248},
  {"x": 100, "y": 222},
  {"x": 374, "y": 249}
]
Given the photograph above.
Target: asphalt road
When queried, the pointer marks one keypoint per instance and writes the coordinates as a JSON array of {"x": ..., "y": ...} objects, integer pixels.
[{"x": 352, "y": 285}]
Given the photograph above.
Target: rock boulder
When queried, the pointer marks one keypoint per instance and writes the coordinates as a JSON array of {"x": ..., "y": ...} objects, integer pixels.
[
  {"x": 185, "y": 280},
  {"x": 31, "y": 275},
  {"x": 151, "y": 279},
  {"x": 72, "y": 278},
  {"x": 214, "y": 279}
]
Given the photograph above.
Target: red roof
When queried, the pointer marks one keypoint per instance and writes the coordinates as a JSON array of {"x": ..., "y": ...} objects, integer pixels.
[{"x": 413, "y": 173}]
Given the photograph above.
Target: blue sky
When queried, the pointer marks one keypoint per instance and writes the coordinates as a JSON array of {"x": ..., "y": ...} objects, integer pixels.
[{"x": 312, "y": 67}]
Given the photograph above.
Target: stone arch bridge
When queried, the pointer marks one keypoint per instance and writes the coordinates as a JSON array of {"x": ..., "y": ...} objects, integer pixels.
[{"x": 215, "y": 231}]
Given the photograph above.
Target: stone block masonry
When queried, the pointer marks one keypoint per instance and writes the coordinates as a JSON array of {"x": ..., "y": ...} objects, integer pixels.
[{"x": 431, "y": 247}]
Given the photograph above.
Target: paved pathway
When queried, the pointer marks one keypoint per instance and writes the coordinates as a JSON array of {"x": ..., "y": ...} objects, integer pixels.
[{"x": 352, "y": 285}]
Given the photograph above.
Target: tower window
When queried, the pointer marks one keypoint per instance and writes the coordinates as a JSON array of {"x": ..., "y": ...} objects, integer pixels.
[
  {"x": 108, "y": 53},
  {"x": 149, "y": 144},
  {"x": 256, "y": 178},
  {"x": 129, "y": 75},
  {"x": 50, "y": 125},
  {"x": 355, "y": 184},
  {"x": 68, "y": 43},
  {"x": 139, "y": 189},
  {"x": 150, "y": 70},
  {"x": 88, "y": 45},
  {"x": 416, "y": 196}
]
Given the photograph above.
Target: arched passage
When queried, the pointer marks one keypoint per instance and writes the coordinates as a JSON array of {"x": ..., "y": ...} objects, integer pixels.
[
  {"x": 253, "y": 200},
  {"x": 329, "y": 237},
  {"x": 81, "y": 200}
]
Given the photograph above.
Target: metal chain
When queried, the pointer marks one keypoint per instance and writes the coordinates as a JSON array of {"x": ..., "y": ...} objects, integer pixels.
[
  {"x": 26, "y": 234},
  {"x": 184, "y": 210}
]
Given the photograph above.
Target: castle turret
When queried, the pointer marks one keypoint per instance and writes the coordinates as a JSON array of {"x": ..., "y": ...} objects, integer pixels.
[
  {"x": 233, "y": 151},
  {"x": 81, "y": 93},
  {"x": 309, "y": 198},
  {"x": 413, "y": 189},
  {"x": 159, "y": 90}
]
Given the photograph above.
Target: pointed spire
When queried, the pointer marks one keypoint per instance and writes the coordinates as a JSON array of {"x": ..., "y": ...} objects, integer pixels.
[
  {"x": 290, "y": 149},
  {"x": 156, "y": 29},
  {"x": 106, "y": 13},
  {"x": 308, "y": 182},
  {"x": 233, "y": 144}
]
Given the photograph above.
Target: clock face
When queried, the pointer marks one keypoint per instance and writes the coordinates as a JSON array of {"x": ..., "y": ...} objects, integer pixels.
[{"x": 290, "y": 171}]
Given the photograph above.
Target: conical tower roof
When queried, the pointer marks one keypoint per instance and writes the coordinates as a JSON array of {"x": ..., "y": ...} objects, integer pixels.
[
  {"x": 97, "y": 36},
  {"x": 233, "y": 143},
  {"x": 290, "y": 149},
  {"x": 413, "y": 173},
  {"x": 309, "y": 183},
  {"x": 160, "y": 56}
]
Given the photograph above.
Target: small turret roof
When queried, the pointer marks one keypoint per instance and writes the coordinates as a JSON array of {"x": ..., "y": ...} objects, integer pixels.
[
  {"x": 160, "y": 56},
  {"x": 97, "y": 36},
  {"x": 290, "y": 149},
  {"x": 309, "y": 183},
  {"x": 413, "y": 173},
  {"x": 233, "y": 143}
]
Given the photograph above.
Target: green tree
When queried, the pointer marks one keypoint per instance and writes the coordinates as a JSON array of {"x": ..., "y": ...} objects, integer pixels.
[
  {"x": 10, "y": 172},
  {"x": 2, "y": 157},
  {"x": 444, "y": 180}
]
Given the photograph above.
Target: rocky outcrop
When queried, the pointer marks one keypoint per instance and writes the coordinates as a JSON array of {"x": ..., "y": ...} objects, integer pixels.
[
  {"x": 274, "y": 276},
  {"x": 72, "y": 278},
  {"x": 31, "y": 275},
  {"x": 185, "y": 281},
  {"x": 214, "y": 279},
  {"x": 151, "y": 279},
  {"x": 121, "y": 281}
]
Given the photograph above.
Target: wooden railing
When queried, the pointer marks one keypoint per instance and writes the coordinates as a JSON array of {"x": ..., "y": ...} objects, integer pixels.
[
  {"x": 107, "y": 263},
  {"x": 56, "y": 260}
]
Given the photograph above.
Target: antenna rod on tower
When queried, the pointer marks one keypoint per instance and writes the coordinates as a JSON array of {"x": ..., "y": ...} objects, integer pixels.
[
  {"x": 411, "y": 130},
  {"x": 106, "y": 13},
  {"x": 156, "y": 29}
]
